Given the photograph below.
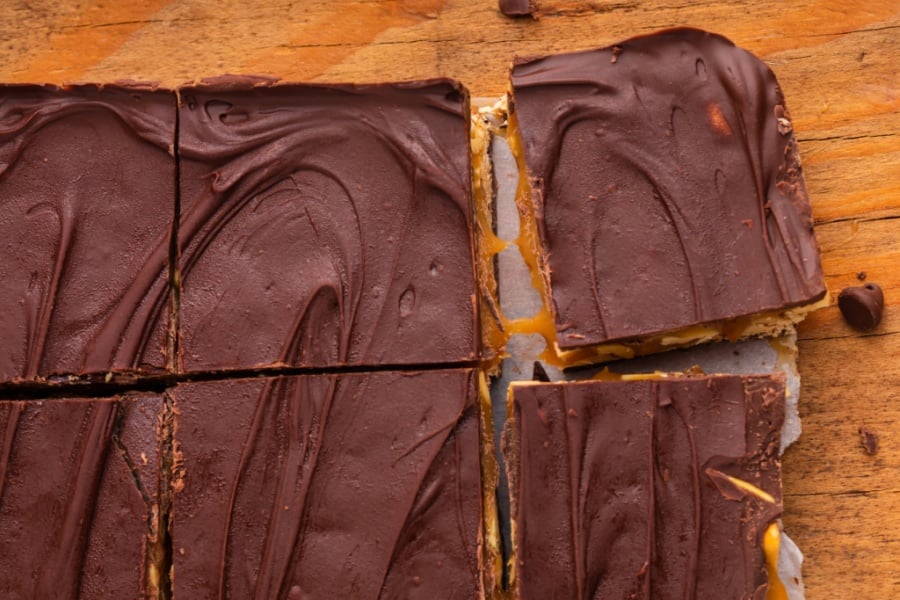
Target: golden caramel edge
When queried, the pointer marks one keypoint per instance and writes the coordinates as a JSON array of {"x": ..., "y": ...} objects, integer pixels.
[{"x": 494, "y": 327}]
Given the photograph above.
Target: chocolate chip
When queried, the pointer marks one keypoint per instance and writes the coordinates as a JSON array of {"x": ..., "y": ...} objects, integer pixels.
[
  {"x": 518, "y": 8},
  {"x": 862, "y": 306},
  {"x": 869, "y": 440}
]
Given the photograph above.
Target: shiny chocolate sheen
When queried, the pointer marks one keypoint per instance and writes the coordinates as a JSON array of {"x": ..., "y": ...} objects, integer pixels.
[
  {"x": 78, "y": 497},
  {"x": 325, "y": 225},
  {"x": 667, "y": 187},
  {"x": 620, "y": 489},
  {"x": 87, "y": 196},
  {"x": 328, "y": 486}
]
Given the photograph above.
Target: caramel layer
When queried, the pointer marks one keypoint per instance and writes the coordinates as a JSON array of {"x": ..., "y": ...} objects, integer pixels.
[{"x": 494, "y": 326}]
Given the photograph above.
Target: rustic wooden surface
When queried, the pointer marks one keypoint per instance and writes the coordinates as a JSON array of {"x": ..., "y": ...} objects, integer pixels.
[{"x": 836, "y": 60}]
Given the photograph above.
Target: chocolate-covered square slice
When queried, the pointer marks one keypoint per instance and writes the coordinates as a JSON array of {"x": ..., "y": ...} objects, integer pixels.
[
  {"x": 664, "y": 198},
  {"x": 78, "y": 497},
  {"x": 652, "y": 488},
  {"x": 325, "y": 225},
  {"x": 87, "y": 198},
  {"x": 329, "y": 486}
]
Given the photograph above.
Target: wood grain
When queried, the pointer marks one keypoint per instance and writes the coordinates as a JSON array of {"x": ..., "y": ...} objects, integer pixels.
[{"x": 836, "y": 60}]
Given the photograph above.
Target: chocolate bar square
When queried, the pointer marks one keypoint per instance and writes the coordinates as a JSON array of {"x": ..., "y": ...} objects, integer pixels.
[
  {"x": 328, "y": 486},
  {"x": 87, "y": 199},
  {"x": 646, "y": 489},
  {"x": 79, "y": 502},
  {"x": 325, "y": 225},
  {"x": 663, "y": 195}
]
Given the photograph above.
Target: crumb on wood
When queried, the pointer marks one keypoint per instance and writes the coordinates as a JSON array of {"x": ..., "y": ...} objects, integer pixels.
[{"x": 868, "y": 438}]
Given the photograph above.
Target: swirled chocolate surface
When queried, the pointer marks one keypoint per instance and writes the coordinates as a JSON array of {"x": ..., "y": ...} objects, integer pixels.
[
  {"x": 628, "y": 489},
  {"x": 78, "y": 496},
  {"x": 87, "y": 196},
  {"x": 667, "y": 186},
  {"x": 325, "y": 225},
  {"x": 328, "y": 486}
]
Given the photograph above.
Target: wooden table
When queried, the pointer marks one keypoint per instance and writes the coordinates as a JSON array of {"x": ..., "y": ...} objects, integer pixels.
[{"x": 837, "y": 63}]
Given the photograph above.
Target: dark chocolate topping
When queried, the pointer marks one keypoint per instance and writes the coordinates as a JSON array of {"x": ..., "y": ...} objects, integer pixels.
[
  {"x": 667, "y": 186},
  {"x": 86, "y": 203},
  {"x": 330, "y": 486},
  {"x": 326, "y": 225},
  {"x": 78, "y": 496},
  {"x": 862, "y": 306},
  {"x": 622, "y": 489}
]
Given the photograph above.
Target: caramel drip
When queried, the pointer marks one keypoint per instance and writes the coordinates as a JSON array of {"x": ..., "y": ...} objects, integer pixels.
[
  {"x": 771, "y": 547},
  {"x": 528, "y": 243},
  {"x": 494, "y": 324}
]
